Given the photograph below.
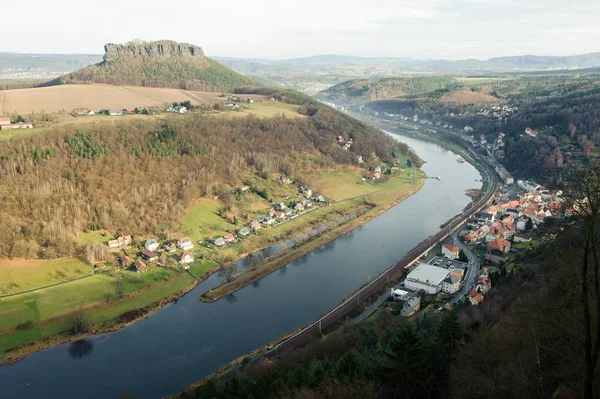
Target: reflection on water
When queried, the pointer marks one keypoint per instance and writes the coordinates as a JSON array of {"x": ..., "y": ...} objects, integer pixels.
[{"x": 81, "y": 348}]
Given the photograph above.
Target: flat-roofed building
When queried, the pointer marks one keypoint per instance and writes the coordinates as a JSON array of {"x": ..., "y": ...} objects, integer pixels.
[{"x": 426, "y": 277}]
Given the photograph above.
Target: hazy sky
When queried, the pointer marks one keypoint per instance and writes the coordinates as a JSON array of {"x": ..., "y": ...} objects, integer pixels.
[{"x": 449, "y": 29}]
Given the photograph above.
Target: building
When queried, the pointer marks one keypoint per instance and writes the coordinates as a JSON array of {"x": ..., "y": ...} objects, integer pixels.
[
  {"x": 186, "y": 257},
  {"x": 120, "y": 241},
  {"x": 254, "y": 224},
  {"x": 140, "y": 266},
  {"x": 150, "y": 256},
  {"x": 151, "y": 245},
  {"x": 307, "y": 192},
  {"x": 411, "y": 306},
  {"x": 18, "y": 125},
  {"x": 475, "y": 298},
  {"x": 450, "y": 251},
  {"x": 219, "y": 242},
  {"x": 426, "y": 277},
  {"x": 501, "y": 244},
  {"x": 115, "y": 111},
  {"x": 495, "y": 256},
  {"x": 522, "y": 237},
  {"x": 185, "y": 244},
  {"x": 170, "y": 247},
  {"x": 451, "y": 284},
  {"x": 244, "y": 231},
  {"x": 299, "y": 207}
]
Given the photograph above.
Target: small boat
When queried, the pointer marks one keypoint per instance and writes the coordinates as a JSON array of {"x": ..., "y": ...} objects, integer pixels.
[{"x": 460, "y": 160}]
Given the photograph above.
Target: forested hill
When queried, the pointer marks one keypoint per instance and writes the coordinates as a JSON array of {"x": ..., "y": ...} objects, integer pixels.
[
  {"x": 362, "y": 90},
  {"x": 158, "y": 64},
  {"x": 139, "y": 176}
]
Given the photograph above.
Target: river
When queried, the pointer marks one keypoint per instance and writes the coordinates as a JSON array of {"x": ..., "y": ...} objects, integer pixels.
[{"x": 187, "y": 339}]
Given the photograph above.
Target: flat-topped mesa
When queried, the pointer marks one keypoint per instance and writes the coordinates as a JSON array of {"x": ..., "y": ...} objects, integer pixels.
[{"x": 162, "y": 48}]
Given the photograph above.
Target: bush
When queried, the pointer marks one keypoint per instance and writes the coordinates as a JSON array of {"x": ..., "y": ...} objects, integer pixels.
[{"x": 25, "y": 325}]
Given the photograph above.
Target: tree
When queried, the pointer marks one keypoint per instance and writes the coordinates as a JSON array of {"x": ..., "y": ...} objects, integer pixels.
[
  {"x": 583, "y": 197},
  {"x": 449, "y": 335},
  {"x": 119, "y": 288},
  {"x": 78, "y": 322},
  {"x": 462, "y": 256}
]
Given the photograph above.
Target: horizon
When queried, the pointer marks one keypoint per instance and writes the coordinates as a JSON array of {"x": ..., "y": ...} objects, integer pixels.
[{"x": 430, "y": 29}]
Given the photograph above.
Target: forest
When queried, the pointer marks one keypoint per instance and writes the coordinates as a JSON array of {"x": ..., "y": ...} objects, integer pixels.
[
  {"x": 563, "y": 108},
  {"x": 536, "y": 335},
  {"x": 139, "y": 176}
]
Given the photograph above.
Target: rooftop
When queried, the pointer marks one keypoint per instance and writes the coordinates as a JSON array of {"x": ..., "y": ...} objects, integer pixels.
[{"x": 428, "y": 273}]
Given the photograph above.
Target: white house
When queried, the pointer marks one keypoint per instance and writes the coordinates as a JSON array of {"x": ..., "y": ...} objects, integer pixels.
[
  {"x": 219, "y": 242},
  {"x": 186, "y": 257},
  {"x": 151, "y": 245},
  {"x": 307, "y": 192},
  {"x": 451, "y": 284},
  {"x": 426, "y": 277},
  {"x": 185, "y": 244},
  {"x": 450, "y": 251}
]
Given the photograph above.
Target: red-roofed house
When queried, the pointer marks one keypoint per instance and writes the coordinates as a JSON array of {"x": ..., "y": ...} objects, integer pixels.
[
  {"x": 229, "y": 237},
  {"x": 450, "y": 251},
  {"x": 475, "y": 298},
  {"x": 501, "y": 244}
]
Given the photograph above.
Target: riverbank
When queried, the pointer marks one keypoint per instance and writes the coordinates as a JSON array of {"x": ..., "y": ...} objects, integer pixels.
[
  {"x": 250, "y": 276},
  {"x": 61, "y": 324}
]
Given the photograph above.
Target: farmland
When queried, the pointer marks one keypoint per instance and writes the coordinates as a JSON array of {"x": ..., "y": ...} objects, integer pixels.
[{"x": 97, "y": 96}]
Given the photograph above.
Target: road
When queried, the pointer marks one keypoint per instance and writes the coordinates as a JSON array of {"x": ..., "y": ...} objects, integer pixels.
[{"x": 472, "y": 271}]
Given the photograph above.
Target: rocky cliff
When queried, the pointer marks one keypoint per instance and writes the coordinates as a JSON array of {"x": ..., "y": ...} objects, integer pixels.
[
  {"x": 164, "y": 48},
  {"x": 158, "y": 64}
]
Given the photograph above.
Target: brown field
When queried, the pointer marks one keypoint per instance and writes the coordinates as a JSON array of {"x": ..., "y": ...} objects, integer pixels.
[
  {"x": 98, "y": 96},
  {"x": 464, "y": 97}
]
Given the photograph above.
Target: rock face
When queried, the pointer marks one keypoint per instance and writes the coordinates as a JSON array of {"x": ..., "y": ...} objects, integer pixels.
[{"x": 163, "y": 48}]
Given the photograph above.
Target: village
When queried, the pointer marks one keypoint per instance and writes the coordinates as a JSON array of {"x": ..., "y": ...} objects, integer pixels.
[
  {"x": 514, "y": 223},
  {"x": 151, "y": 252}
]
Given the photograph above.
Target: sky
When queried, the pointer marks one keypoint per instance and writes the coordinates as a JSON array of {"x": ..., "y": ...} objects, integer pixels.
[{"x": 448, "y": 29}]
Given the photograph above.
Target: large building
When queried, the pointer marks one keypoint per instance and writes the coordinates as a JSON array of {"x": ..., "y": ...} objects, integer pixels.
[
  {"x": 426, "y": 277},
  {"x": 450, "y": 251}
]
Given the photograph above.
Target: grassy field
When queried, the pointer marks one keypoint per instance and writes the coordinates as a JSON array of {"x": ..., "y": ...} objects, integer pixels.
[
  {"x": 48, "y": 309},
  {"x": 265, "y": 109},
  {"x": 17, "y": 275},
  {"x": 97, "y": 96}
]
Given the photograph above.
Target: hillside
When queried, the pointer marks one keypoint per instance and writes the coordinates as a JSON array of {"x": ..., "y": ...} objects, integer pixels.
[
  {"x": 141, "y": 175},
  {"x": 43, "y": 65},
  {"x": 157, "y": 64},
  {"x": 362, "y": 90}
]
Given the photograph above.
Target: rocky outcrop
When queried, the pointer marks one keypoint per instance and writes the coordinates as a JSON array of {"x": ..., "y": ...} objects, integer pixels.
[{"x": 163, "y": 48}]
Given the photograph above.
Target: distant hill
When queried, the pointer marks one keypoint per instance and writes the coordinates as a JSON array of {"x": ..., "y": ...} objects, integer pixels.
[
  {"x": 158, "y": 64},
  {"x": 363, "y": 90},
  {"x": 43, "y": 65}
]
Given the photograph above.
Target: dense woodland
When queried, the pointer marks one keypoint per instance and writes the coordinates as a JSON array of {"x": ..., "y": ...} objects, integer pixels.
[
  {"x": 536, "y": 335},
  {"x": 139, "y": 176}
]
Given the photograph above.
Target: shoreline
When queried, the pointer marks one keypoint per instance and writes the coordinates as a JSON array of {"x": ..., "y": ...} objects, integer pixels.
[
  {"x": 296, "y": 253},
  {"x": 18, "y": 354}
]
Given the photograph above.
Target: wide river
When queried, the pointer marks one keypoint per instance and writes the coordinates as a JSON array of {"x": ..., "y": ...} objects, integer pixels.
[{"x": 187, "y": 339}]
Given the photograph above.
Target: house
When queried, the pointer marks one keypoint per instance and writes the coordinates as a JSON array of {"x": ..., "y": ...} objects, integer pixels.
[
  {"x": 530, "y": 132},
  {"x": 151, "y": 245},
  {"x": 320, "y": 198},
  {"x": 186, "y": 257},
  {"x": 4, "y": 121},
  {"x": 486, "y": 217},
  {"x": 124, "y": 261},
  {"x": 150, "y": 256},
  {"x": 340, "y": 139},
  {"x": 267, "y": 220},
  {"x": 230, "y": 104},
  {"x": 522, "y": 237},
  {"x": 18, "y": 125},
  {"x": 114, "y": 244},
  {"x": 426, "y": 277},
  {"x": 244, "y": 231},
  {"x": 288, "y": 212},
  {"x": 229, "y": 237},
  {"x": 411, "y": 306},
  {"x": 307, "y": 192},
  {"x": 185, "y": 244},
  {"x": 299, "y": 207},
  {"x": 451, "y": 284},
  {"x": 170, "y": 247},
  {"x": 280, "y": 215},
  {"x": 450, "y": 251},
  {"x": 115, "y": 112},
  {"x": 219, "y": 242},
  {"x": 99, "y": 265},
  {"x": 254, "y": 224},
  {"x": 475, "y": 298},
  {"x": 373, "y": 176},
  {"x": 457, "y": 272},
  {"x": 121, "y": 241},
  {"x": 500, "y": 244},
  {"x": 140, "y": 266}
]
